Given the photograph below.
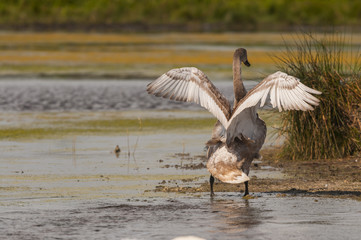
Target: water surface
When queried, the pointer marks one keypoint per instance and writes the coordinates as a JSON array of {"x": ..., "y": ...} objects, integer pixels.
[
  {"x": 96, "y": 95},
  {"x": 76, "y": 187}
]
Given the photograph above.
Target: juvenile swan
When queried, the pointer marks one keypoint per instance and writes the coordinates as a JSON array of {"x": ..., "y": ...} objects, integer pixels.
[{"x": 239, "y": 133}]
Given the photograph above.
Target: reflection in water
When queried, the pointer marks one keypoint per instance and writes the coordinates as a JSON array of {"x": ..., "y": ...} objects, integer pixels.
[
  {"x": 128, "y": 161},
  {"x": 234, "y": 216},
  {"x": 159, "y": 218},
  {"x": 74, "y": 151}
]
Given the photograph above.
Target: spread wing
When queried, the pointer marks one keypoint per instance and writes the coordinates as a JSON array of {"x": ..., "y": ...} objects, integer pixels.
[
  {"x": 190, "y": 84},
  {"x": 286, "y": 93}
]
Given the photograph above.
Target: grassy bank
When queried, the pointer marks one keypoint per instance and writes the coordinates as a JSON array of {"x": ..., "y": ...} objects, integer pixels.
[{"x": 184, "y": 15}]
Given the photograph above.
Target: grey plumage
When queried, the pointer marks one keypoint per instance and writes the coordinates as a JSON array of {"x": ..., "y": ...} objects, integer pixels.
[{"x": 239, "y": 133}]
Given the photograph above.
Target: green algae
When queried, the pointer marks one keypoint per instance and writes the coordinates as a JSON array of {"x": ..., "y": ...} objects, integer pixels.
[
  {"x": 110, "y": 126},
  {"x": 53, "y": 125}
]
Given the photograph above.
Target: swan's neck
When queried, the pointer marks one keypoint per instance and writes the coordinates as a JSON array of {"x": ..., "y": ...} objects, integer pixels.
[{"x": 238, "y": 87}]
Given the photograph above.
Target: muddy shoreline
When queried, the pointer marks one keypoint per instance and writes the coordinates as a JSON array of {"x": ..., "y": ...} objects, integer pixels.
[{"x": 331, "y": 178}]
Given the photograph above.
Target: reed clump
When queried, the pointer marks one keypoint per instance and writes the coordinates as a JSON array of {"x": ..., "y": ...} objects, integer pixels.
[{"x": 333, "y": 129}]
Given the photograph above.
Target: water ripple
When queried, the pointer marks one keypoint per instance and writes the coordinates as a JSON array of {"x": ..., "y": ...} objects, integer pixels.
[{"x": 83, "y": 95}]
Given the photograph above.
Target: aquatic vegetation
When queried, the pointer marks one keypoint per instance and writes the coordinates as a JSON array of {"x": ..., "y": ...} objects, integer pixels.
[
  {"x": 76, "y": 55},
  {"x": 334, "y": 128},
  {"x": 55, "y": 125},
  {"x": 64, "y": 127},
  {"x": 124, "y": 55}
]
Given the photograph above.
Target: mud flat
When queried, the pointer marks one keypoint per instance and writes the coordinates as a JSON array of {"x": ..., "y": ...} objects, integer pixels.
[{"x": 333, "y": 178}]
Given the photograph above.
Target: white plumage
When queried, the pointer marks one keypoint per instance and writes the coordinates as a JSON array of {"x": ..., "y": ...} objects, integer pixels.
[
  {"x": 190, "y": 84},
  {"x": 286, "y": 92}
]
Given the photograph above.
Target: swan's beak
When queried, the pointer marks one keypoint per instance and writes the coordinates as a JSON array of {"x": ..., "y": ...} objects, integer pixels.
[{"x": 247, "y": 63}]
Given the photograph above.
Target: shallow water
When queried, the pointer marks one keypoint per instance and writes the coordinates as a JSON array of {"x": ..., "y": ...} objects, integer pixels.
[
  {"x": 79, "y": 189},
  {"x": 83, "y": 95},
  {"x": 75, "y": 187},
  {"x": 224, "y": 217}
]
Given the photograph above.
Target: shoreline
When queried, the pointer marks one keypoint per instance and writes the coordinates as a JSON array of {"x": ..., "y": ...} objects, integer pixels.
[{"x": 330, "y": 178}]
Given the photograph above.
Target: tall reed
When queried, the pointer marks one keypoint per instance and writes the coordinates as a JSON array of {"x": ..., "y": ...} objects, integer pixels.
[{"x": 333, "y": 129}]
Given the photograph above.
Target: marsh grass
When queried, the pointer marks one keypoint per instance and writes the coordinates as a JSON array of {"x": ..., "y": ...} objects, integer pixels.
[
  {"x": 127, "y": 56},
  {"x": 333, "y": 129}
]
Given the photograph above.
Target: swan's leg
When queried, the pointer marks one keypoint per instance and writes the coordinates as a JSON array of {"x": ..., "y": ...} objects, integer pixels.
[
  {"x": 211, "y": 181},
  {"x": 246, "y": 189}
]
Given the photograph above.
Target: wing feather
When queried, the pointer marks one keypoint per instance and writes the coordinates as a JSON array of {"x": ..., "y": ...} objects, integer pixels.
[
  {"x": 169, "y": 91},
  {"x": 289, "y": 101},
  {"x": 181, "y": 92},
  {"x": 277, "y": 90},
  {"x": 189, "y": 84},
  {"x": 283, "y": 99},
  {"x": 286, "y": 93},
  {"x": 264, "y": 98}
]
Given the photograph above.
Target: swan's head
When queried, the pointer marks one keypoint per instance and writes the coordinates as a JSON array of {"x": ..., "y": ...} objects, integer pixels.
[{"x": 241, "y": 53}]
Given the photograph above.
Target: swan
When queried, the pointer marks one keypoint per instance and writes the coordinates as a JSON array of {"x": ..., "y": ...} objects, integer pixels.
[{"x": 239, "y": 133}]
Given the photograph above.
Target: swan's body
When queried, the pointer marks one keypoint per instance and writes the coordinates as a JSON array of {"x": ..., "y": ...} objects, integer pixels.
[{"x": 239, "y": 133}]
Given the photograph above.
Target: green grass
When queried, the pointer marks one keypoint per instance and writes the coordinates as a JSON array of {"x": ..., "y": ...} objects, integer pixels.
[
  {"x": 188, "y": 15},
  {"x": 333, "y": 129}
]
